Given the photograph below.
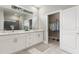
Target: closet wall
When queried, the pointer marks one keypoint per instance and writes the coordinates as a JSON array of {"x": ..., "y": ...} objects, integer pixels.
[{"x": 53, "y": 26}]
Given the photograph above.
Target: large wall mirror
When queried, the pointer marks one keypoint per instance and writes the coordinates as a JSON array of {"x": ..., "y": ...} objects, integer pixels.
[{"x": 20, "y": 20}]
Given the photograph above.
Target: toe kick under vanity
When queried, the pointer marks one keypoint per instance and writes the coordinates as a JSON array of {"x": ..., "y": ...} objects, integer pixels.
[{"x": 11, "y": 42}]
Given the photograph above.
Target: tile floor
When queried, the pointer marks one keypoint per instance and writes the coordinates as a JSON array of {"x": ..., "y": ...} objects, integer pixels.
[{"x": 51, "y": 48}]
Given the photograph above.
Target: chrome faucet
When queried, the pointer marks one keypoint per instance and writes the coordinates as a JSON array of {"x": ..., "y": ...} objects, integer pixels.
[{"x": 12, "y": 27}]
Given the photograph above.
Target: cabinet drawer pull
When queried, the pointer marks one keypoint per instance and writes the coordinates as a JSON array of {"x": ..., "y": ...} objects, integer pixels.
[{"x": 77, "y": 33}]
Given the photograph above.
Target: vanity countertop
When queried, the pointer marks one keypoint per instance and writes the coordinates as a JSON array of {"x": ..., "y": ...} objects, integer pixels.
[{"x": 18, "y": 32}]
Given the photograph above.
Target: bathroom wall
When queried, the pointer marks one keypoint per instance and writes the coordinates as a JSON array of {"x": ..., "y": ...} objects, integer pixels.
[
  {"x": 44, "y": 11},
  {"x": 1, "y": 19}
]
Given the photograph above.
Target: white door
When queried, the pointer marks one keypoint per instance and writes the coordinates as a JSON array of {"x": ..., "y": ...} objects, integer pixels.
[
  {"x": 40, "y": 37},
  {"x": 77, "y": 28},
  {"x": 68, "y": 23},
  {"x": 77, "y": 22}
]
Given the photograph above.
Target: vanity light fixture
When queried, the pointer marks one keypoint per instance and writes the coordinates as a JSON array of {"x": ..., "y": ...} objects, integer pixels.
[{"x": 20, "y": 9}]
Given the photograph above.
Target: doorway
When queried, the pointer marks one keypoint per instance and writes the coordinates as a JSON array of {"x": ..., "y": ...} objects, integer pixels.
[{"x": 54, "y": 28}]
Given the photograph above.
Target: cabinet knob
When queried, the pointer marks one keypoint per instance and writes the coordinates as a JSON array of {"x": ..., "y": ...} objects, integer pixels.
[
  {"x": 15, "y": 40},
  {"x": 38, "y": 35}
]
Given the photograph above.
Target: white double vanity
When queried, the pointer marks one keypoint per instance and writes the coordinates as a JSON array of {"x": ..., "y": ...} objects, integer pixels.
[
  {"x": 18, "y": 28},
  {"x": 15, "y": 41}
]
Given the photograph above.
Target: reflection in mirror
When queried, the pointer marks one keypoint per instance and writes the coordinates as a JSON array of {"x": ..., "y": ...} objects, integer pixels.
[
  {"x": 30, "y": 23},
  {"x": 16, "y": 20}
]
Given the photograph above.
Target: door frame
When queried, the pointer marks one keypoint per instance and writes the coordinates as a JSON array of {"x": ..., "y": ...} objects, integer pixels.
[{"x": 60, "y": 18}]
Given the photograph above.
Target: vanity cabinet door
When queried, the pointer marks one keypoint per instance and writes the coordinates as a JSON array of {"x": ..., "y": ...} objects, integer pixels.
[
  {"x": 6, "y": 44},
  {"x": 30, "y": 40},
  {"x": 19, "y": 42},
  {"x": 11, "y": 43},
  {"x": 33, "y": 38},
  {"x": 77, "y": 43},
  {"x": 26, "y": 36},
  {"x": 38, "y": 37}
]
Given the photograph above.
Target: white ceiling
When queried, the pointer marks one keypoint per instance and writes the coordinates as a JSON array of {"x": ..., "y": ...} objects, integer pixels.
[
  {"x": 56, "y": 7},
  {"x": 45, "y": 7},
  {"x": 49, "y": 6}
]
